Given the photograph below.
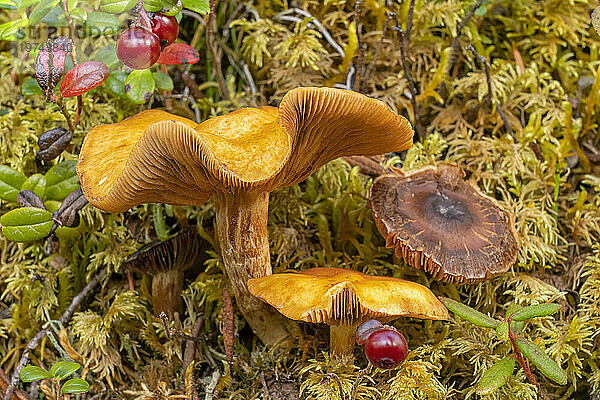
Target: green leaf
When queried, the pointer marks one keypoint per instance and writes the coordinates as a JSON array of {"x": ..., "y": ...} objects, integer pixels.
[
  {"x": 540, "y": 359},
  {"x": 497, "y": 376},
  {"x": 56, "y": 17},
  {"x": 75, "y": 385},
  {"x": 30, "y": 87},
  {"x": 32, "y": 373},
  {"x": 171, "y": 7},
  {"x": 107, "y": 55},
  {"x": 8, "y": 5},
  {"x": 52, "y": 205},
  {"x": 40, "y": 10},
  {"x": 117, "y": 6},
  {"x": 61, "y": 180},
  {"x": 538, "y": 310},
  {"x": 26, "y": 3},
  {"x": 469, "y": 314},
  {"x": 200, "y": 6},
  {"x": 10, "y": 183},
  {"x": 116, "y": 83},
  {"x": 99, "y": 23},
  {"x": 8, "y": 29},
  {"x": 163, "y": 81},
  {"x": 139, "y": 86},
  {"x": 37, "y": 184},
  {"x": 63, "y": 369},
  {"x": 152, "y": 5},
  {"x": 515, "y": 326},
  {"x": 79, "y": 14},
  {"x": 502, "y": 331},
  {"x": 26, "y": 224}
]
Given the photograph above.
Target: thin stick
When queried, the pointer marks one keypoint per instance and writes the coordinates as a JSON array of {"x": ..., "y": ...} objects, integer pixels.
[
  {"x": 35, "y": 341},
  {"x": 380, "y": 44},
  {"x": 211, "y": 43},
  {"x": 264, "y": 385},
  {"x": 525, "y": 365},
  {"x": 359, "y": 377},
  {"x": 333, "y": 376},
  {"x": 65, "y": 112},
  {"x": 404, "y": 44},
  {"x": 463, "y": 23},
  {"x": 486, "y": 66},
  {"x": 360, "y": 57}
]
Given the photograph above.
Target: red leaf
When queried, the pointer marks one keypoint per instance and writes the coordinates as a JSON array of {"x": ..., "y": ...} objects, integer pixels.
[
  {"x": 178, "y": 53},
  {"x": 83, "y": 78},
  {"x": 50, "y": 63}
]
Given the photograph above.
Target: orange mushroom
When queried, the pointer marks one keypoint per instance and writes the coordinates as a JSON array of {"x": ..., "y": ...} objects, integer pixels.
[
  {"x": 344, "y": 299},
  {"x": 444, "y": 225},
  {"x": 237, "y": 159}
]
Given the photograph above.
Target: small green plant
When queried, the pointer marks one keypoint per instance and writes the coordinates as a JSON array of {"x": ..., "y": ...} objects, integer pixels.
[
  {"x": 524, "y": 351},
  {"x": 59, "y": 371}
]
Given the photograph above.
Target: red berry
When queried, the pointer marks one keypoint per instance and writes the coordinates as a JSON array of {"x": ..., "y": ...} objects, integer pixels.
[
  {"x": 138, "y": 48},
  {"x": 165, "y": 27},
  {"x": 366, "y": 329},
  {"x": 386, "y": 348}
]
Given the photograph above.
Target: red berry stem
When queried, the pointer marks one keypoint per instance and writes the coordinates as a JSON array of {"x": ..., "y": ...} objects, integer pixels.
[
  {"x": 61, "y": 106},
  {"x": 144, "y": 15},
  {"x": 524, "y": 364}
]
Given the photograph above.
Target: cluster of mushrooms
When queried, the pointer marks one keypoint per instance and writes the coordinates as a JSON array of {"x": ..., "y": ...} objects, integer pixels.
[{"x": 432, "y": 217}]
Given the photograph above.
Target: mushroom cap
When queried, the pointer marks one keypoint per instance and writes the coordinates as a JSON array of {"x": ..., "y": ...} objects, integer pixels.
[
  {"x": 158, "y": 157},
  {"x": 179, "y": 252},
  {"x": 439, "y": 222},
  {"x": 334, "y": 296}
]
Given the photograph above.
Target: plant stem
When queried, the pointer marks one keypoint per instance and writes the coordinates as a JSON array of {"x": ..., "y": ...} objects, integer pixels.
[
  {"x": 166, "y": 292},
  {"x": 404, "y": 46},
  {"x": 211, "y": 43},
  {"x": 143, "y": 15},
  {"x": 242, "y": 230},
  {"x": 65, "y": 112},
  {"x": 524, "y": 364}
]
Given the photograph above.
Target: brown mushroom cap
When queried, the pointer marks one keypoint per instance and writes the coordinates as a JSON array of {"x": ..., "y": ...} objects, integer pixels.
[
  {"x": 179, "y": 252},
  {"x": 439, "y": 222},
  {"x": 335, "y": 295},
  {"x": 158, "y": 157}
]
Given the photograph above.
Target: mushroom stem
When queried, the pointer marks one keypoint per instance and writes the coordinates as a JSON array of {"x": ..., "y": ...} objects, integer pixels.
[
  {"x": 243, "y": 238},
  {"x": 342, "y": 342},
  {"x": 166, "y": 292}
]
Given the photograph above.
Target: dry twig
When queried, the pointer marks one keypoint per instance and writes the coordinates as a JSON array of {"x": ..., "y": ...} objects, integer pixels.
[
  {"x": 211, "y": 43},
  {"x": 404, "y": 36},
  {"x": 489, "y": 96}
]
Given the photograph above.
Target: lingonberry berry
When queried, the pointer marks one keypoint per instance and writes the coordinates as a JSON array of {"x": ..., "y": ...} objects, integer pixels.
[
  {"x": 165, "y": 27},
  {"x": 386, "y": 348},
  {"x": 366, "y": 329},
  {"x": 138, "y": 48}
]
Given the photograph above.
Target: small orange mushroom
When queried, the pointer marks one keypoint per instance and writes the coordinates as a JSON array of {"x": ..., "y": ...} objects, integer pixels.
[
  {"x": 344, "y": 299},
  {"x": 444, "y": 225},
  {"x": 237, "y": 159}
]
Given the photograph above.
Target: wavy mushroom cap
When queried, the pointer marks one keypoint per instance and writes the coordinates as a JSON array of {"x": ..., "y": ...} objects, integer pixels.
[
  {"x": 335, "y": 295},
  {"x": 439, "y": 222},
  {"x": 158, "y": 157}
]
